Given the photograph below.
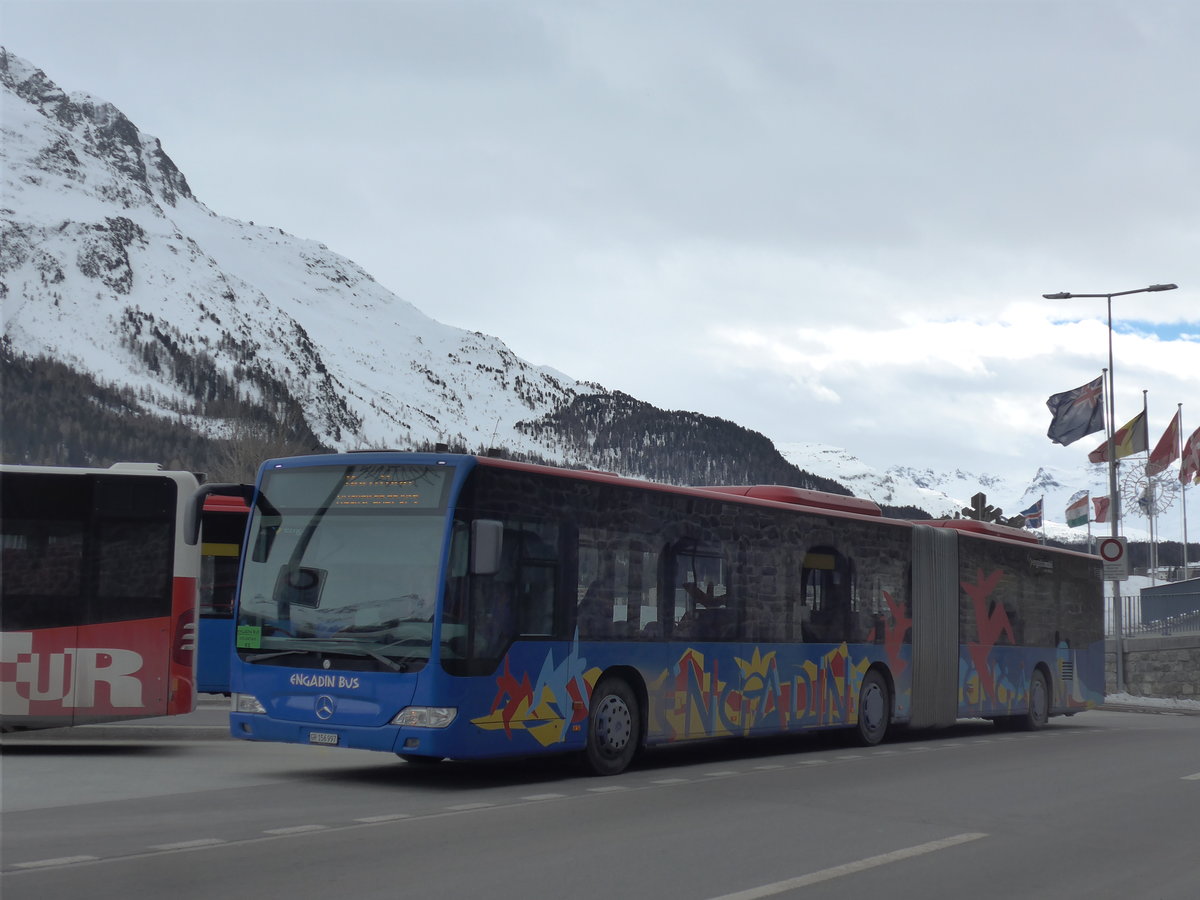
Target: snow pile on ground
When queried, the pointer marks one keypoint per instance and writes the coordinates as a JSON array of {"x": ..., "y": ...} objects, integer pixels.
[{"x": 1164, "y": 703}]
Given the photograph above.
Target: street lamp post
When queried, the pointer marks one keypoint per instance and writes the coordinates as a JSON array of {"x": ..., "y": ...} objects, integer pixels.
[{"x": 1114, "y": 501}]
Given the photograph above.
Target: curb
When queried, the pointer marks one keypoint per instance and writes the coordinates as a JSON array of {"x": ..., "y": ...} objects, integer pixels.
[
  {"x": 1152, "y": 710},
  {"x": 85, "y": 733}
]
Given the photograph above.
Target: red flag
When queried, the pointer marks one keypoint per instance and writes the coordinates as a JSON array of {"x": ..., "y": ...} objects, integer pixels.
[
  {"x": 1130, "y": 438},
  {"x": 1101, "y": 504},
  {"x": 1166, "y": 451},
  {"x": 1189, "y": 465}
]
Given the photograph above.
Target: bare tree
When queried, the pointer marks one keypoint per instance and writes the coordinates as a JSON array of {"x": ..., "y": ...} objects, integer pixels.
[{"x": 251, "y": 442}]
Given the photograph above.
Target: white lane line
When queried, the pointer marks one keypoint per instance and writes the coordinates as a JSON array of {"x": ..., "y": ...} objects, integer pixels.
[
  {"x": 608, "y": 789},
  {"x": 463, "y": 807},
  {"x": 390, "y": 817},
  {"x": 669, "y": 780},
  {"x": 188, "y": 845},
  {"x": 57, "y": 861},
  {"x": 850, "y": 868},
  {"x": 539, "y": 797},
  {"x": 724, "y": 773},
  {"x": 296, "y": 829},
  {"x": 1195, "y": 777}
]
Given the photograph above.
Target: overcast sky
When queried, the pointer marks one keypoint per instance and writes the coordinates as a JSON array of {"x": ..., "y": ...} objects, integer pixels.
[{"x": 827, "y": 221}]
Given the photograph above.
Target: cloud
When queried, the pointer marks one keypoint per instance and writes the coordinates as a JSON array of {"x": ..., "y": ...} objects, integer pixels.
[{"x": 829, "y": 222}]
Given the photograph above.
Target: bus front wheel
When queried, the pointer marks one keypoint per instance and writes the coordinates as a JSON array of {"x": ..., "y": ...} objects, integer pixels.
[
  {"x": 613, "y": 727},
  {"x": 874, "y": 708}
]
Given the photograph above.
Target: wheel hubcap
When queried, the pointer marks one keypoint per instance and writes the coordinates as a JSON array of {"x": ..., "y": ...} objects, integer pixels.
[
  {"x": 1037, "y": 703},
  {"x": 614, "y": 725},
  {"x": 871, "y": 712}
]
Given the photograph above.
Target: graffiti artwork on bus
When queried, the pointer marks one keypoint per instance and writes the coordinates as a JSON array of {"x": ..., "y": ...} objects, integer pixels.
[
  {"x": 545, "y": 706},
  {"x": 994, "y": 672},
  {"x": 691, "y": 699}
]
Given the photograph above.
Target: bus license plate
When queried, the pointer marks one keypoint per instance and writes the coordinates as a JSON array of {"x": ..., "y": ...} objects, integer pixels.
[{"x": 322, "y": 737}]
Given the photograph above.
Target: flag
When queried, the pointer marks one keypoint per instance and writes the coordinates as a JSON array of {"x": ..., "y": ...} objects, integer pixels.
[
  {"x": 1166, "y": 451},
  {"x": 1033, "y": 515},
  {"x": 1076, "y": 413},
  {"x": 1077, "y": 511},
  {"x": 1131, "y": 438},
  {"x": 1101, "y": 504},
  {"x": 1189, "y": 464}
]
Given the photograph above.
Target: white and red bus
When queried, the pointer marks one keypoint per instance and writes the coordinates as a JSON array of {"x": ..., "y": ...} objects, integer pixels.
[{"x": 98, "y": 591}]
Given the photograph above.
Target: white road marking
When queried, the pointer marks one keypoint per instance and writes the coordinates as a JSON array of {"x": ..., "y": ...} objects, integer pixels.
[
  {"x": 188, "y": 845},
  {"x": 390, "y": 817},
  {"x": 1195, "y": 777},
  {"x": 57, "y": 861},
  {"x": 850, "y": 868},
  {"x": 536, "y": 797},
  {"x": 463, "y": 807},
  {"x": 296, "y": 829}
]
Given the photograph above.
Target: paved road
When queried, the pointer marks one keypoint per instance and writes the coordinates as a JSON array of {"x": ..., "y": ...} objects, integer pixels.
[{"x": 1103, "y": 805}]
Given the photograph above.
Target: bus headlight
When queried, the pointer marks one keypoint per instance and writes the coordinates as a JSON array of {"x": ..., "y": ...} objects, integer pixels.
[
  {"x": 245, "y": 703},
  {"x": 425, "y": 716}
]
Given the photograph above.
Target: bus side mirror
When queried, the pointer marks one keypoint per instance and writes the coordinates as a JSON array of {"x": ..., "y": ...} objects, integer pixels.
[
  {"x": 195, "y": 508},
  {"x": 487, "y": 541}
]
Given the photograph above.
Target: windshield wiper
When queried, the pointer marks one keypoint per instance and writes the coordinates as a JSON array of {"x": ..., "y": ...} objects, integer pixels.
[
  {"x": 386, "y": 660},
  {"x": 261, "y": 656}
]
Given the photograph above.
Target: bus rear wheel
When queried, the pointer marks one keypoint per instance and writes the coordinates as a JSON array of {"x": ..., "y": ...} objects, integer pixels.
[
  {"x": 614, "y": 725},
  {"x": 1037, "y": 715},
  {"x": 874, "y": 708}
]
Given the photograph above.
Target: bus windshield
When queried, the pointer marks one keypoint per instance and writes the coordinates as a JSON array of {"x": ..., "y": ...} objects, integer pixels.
[{"x": 343, "y": 563}]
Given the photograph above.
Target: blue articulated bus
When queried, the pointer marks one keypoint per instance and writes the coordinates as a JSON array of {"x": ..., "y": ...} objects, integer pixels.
[{"x": 448, "y": 606}]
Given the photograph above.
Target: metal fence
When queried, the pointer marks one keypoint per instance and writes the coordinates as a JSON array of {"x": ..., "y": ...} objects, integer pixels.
[{"x": 1184, "y": 623}]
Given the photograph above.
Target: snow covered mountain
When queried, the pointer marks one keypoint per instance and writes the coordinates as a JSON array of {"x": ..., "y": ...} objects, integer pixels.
[
  {"x": 111, "y": 265},
  {"x": 943, "y": 494}
]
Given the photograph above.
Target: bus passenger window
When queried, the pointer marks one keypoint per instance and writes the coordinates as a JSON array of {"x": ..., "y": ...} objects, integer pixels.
[
  {"x": 827, "y": 578},
  {"x": 704, "y": 608}
]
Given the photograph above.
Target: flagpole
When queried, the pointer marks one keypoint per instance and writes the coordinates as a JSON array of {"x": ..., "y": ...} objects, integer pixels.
[
  {"x": 1183, "y": 493},
  {"x": 1114, "y": 511},
  {"x": 1148, "y": 497},
  {"x": 1088, "y": 499}
]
